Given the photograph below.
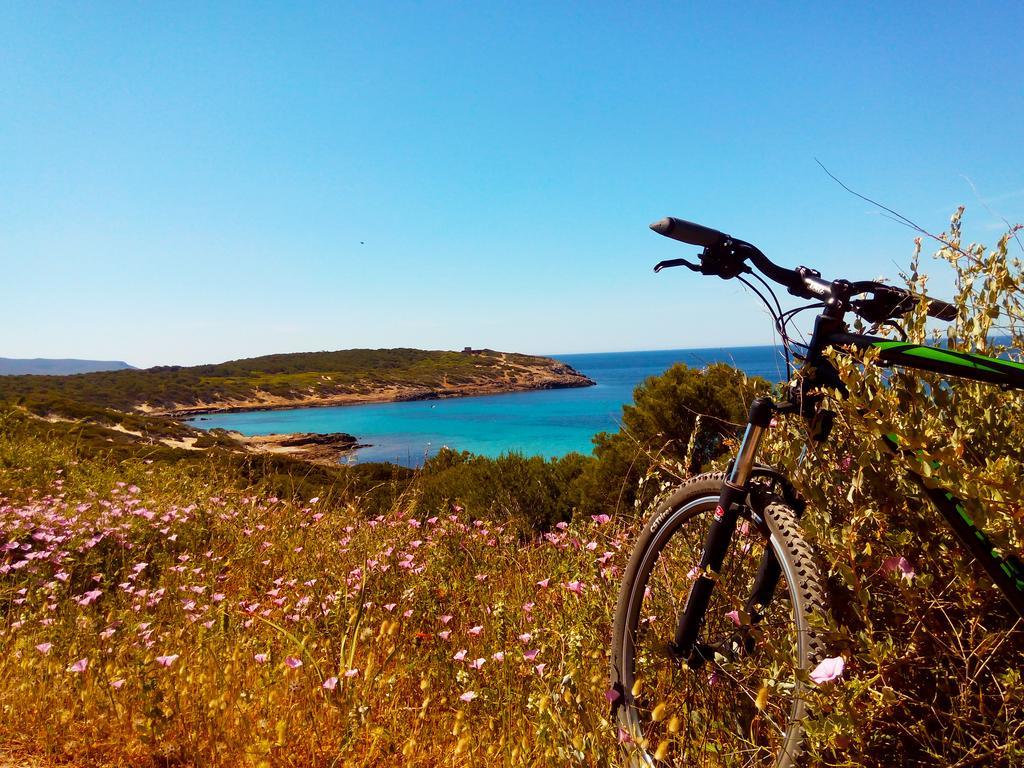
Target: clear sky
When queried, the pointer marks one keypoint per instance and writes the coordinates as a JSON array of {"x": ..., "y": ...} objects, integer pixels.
[{"x": 184, "y": 183}]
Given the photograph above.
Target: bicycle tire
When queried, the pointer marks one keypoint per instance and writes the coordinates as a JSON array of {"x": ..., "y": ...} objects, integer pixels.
[{"x": 747, "y": 710}]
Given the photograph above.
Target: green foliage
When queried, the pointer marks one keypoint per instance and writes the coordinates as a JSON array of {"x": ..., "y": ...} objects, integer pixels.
[
  {"x": 529, "y": 491},
  {"x": 932, "y": 661},
  {"x": 681, "y": 419}
]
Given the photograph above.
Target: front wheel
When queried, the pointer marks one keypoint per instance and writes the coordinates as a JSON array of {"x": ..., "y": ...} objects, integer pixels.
[{"x": 739, "y": 702}]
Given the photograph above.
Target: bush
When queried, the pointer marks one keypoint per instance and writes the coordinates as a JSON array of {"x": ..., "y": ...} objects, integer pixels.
[
  {"x": 932, "y": 658},
  {"x": 680, "y": 420}
]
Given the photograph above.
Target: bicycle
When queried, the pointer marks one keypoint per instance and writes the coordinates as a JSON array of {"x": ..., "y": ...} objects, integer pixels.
[{"x": 707, "y": 650}]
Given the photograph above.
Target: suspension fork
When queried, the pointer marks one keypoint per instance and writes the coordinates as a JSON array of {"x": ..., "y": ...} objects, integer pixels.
[{"x": 720, "y": 533}]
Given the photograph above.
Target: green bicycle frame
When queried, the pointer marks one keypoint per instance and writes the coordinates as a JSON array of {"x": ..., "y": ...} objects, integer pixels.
[{"x": 1006, "y": 570}]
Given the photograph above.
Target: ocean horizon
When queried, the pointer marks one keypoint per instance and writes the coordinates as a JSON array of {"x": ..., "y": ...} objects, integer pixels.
[{"x": 547, "y": 423}]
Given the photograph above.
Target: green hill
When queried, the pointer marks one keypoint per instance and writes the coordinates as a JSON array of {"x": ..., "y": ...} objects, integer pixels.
[{"x": 305, "y": 378}]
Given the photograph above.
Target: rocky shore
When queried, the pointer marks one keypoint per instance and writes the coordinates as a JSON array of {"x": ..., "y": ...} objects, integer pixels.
[{"x": 328, "y": 448}]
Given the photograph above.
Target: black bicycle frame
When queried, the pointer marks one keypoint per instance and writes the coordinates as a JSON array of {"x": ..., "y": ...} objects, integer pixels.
[{"x": 1007, "y": 571}]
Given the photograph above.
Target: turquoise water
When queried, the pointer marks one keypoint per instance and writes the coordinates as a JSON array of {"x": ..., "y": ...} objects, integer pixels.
[{"x": 546, "y": 422}]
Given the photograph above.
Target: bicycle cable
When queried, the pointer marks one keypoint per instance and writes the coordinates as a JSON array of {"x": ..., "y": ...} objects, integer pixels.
[{"x": 771, "y": 313}]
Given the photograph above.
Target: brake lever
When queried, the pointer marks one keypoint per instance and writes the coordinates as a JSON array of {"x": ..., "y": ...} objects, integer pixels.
[{"x": 676, "y": 263}]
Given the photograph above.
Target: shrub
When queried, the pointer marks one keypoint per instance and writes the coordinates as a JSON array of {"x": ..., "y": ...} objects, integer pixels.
[{"x": 932, "y": 659}]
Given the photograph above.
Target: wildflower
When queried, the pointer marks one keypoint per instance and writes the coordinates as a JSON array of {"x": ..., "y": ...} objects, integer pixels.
[
  {"x": 166, "y": 661},
  {"x": 475, "y": 631},
  {"x": 444, "y": 635},
  {"x": 600, "y": 519},
  {"x": 89, "y": 597},
  {"x": 468, "y": 696},
  {"x": 44, "y": 648},
  {"x": 539, "y": 668},
  {"x": 460, "y": 655},
  {"x": 498, "y": 656},
  {"x": 116, "y": 684},
  {"x": 900, "y": 565},
  {"x": 612, "y": 695},
  {"x": 734, "y": 616},
  {"x": 79, "y": 666},
  {"x": 543, "y": 583},
  {"x": 531, "y": 655},
  {"x": 828, "y": 670},
  {"x": 330, "y": 683},
  {"x": 293, "y": 662},
  {"x": 446, "y": 618},
  {"x": 351, "y": 673},
  {"x": 525, "y": 637},
  {"x": 477, "y": 663},
  {"x": 575, "y": 587},
  {"x": 314, "y": 500}
]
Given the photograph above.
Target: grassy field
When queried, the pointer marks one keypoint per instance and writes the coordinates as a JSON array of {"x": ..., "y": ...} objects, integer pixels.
[{"x": 160, "y": 613}]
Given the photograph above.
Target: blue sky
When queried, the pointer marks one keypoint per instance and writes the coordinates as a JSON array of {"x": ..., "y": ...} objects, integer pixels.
[{"x": 186, "y": 183}]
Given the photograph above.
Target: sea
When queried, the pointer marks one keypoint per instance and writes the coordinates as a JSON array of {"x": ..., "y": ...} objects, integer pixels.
[{"x": 547, "y": 423}]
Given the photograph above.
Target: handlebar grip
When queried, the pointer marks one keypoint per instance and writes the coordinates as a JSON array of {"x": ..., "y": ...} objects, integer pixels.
[
  {"x": 942, "y": 310},
  {"x": 688, "y": 232}
]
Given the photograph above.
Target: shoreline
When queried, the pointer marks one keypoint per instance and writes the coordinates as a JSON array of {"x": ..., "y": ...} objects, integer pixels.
[
  {"x": 328, "y": 448},
  {"x": 397, "y": 395}
]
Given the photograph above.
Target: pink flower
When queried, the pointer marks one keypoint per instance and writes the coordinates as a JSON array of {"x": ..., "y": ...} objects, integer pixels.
[
  {"x": 261, "y": 658},
  {"x": 828, "y": 670},
  {"x": 351, "y": 673},
  {"x": 293, "y": 662},
  {"x": 575, "y": 587},
  {"x": 600, "y": 519},
  {"x": 44, "y": 648},
  {"x": 531, "y": 655},
  {"x": 446, "y": 618},
  {"x": 900, "y": 565},
  {"x": 475, "y": 631},
  {"x": 330, "y": 682},
  {"x": 79, "y": 666},
  {"x": 735, "y": 616},
  {"x": 525, "y": 637},
  {"x": 89, "y": 597},
  {"x": 460, "y": 655},
  {"x": 612, "y": 695},
  {"x": 468, "y": 696},
  {"x": 166, "y": 661},
  {"x": 498, "y": 655},
  {"x": 116, "y": 684},
  {"x": 477, "y": 663},
  {"x": 543, "y": 583},
  {"x": 539, "y": 668},
  {"x": 445, "y": 634}
]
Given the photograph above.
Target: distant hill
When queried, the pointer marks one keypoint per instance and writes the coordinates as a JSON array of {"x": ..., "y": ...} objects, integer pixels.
[
  {"x": 297, "y": 379},
  {"x": 42, "y": 366}
]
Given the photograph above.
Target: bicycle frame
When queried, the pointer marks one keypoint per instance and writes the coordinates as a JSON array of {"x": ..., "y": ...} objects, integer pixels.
[{"x": 1007, "y": 571}]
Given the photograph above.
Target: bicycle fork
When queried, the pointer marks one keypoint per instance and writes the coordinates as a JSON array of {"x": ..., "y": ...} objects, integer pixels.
[{"x": 716, "y": 544}]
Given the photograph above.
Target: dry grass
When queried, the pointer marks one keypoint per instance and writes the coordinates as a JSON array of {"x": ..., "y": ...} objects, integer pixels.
[{"x": 210, "y": 627}]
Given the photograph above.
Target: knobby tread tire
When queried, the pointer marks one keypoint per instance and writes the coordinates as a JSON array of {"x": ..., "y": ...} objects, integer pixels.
[{"x": 807, "y": 590}]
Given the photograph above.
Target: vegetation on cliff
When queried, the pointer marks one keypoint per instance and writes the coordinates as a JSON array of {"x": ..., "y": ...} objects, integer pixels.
[{"x": 298, "y": 378}]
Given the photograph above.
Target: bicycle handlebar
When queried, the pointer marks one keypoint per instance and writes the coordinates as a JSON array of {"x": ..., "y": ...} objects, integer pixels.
[
  {"x": 688, "y": 232},
  {"x": 724, "y": 255}
]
